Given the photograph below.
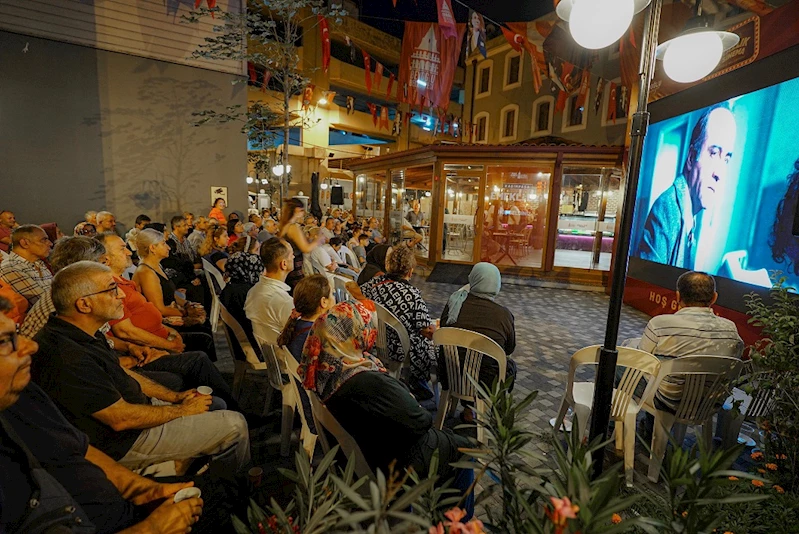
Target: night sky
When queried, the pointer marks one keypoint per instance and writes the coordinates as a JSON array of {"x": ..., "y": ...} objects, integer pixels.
[{"x": 373, "y": 11}]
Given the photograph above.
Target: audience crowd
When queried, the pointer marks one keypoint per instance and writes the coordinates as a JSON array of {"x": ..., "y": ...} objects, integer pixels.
[{"x": 101, "y": 381}]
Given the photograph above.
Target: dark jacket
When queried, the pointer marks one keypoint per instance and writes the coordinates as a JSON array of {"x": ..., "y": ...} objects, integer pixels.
[{"x": 668, "y": 228}]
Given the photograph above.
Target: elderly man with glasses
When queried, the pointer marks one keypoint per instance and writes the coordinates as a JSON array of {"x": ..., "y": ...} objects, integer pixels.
[{"x": 127, "y": 416}]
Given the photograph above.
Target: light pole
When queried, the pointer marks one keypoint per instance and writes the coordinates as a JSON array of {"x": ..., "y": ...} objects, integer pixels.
[{"x": 687, "y": 58}]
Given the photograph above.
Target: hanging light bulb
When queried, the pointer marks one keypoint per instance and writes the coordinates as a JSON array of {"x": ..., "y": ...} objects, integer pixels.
[{"x": 249, "y": 180}]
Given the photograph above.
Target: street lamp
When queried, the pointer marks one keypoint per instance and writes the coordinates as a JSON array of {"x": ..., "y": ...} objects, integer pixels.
[
  {"x": 596, "y": 24},
  {"x": 704, "y": 56}
]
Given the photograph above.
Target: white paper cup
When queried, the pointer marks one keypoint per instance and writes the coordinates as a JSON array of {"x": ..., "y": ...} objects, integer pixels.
[
  {"x": 187, "y": 493},
  {"x": 205, "y": 390}
]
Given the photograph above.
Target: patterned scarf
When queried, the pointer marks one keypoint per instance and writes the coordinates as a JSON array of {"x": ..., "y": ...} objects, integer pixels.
[
  {"x": 244, "y": 268},
  {"x": 337, "y": 347}
]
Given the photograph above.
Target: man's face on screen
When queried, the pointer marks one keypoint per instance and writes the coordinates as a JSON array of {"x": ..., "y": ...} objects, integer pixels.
[{"x": 708, "y": 169}]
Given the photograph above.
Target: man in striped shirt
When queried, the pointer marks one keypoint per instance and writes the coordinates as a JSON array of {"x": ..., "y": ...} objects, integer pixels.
[{"x": 693, "y": 330}]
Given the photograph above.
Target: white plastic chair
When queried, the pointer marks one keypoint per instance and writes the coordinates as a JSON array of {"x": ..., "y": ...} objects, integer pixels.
[
  {"x": 211, "y": 269},
  {"x": 324, "y": 419},
  {"x": 340, "y": 289},
  {"x": 477, "y": 346},
  {"x": 307, "y": 438},
  {"x": 755, "y": 405},
  {"x": 216, "y": 304},
  {"x": 253, "y": 358},
  {"x": 387, "y": 319},
  {"x": 706, "y": 386},
  {"x": 624, "y": 409}
]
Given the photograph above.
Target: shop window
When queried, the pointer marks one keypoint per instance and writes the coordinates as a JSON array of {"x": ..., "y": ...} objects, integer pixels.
[
  {"x": 575, "y": 114},
  {"x": 622, "y": 99},
  {"x": 481, "y": 128},
  {"x": 515, "y": 215},
  {"x": 461, "y": 204},
  {"x": 484, "y": 71},
  {"x": 543, "y": 112},
  {"x": 589, "y": 201},
  {"x": 513, "y": 67},
  {"x": 510, "y": 115},
  {"x": 370, "y": 195},
  {"x": 411, "y": 207}
]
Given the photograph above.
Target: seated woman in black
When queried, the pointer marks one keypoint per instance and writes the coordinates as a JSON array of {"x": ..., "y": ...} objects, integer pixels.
[
  {"x": 214, "y": 248},
  {"x": 468, "y": 308},
  {"x": 313, "y": 297},
  {"x": 376, "y": 409},
  {"x": 243, "y": 269}
]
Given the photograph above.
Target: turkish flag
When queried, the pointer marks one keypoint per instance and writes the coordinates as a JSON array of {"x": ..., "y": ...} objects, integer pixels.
[
  {"x": 446, "y": 19},
  {"x": 516, "y": 35},
  {"x": 428, "y": 61},
  {"x": 378, "y": 74},
  {"x": 367, "y": 65},
  {"x": 390, "y": 84},
  {"x": 585, "y": 84},
  {"x": 384, "y": 118},
  {"x": 324, "y": 32},
  {"x": 373, "y": 111},
  {"x": 612, "y": 103}
]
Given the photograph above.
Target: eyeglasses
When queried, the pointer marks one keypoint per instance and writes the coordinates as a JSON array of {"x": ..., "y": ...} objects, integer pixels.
[
  {"x": 9, "y": 342},
  {"x": 114, "y": 288}
]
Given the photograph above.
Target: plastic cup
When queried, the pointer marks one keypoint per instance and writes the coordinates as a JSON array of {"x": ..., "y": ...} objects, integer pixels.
[
  {"x": 204, "y": 390},
  {"x": 256, "y": 475},
  {"x": 187, "y": 493}
]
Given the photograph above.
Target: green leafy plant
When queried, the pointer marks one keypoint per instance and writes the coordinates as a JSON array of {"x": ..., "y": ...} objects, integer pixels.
[{"x": 776, "y": 359}]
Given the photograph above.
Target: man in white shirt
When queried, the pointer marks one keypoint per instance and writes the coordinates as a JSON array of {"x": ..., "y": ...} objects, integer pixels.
[
  {"x": 327, "y": 231},
  {"x": 269, "y": 304},
  {"x": 693, "y": 330}
]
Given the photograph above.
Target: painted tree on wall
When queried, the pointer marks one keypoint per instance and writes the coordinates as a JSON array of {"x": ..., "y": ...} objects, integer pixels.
[{"x": 267, "y": 37}]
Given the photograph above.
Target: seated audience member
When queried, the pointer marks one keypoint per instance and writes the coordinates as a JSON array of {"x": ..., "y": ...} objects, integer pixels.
[
  {"x": 269, "y": 231},
  {"x": 185, "y": 316},
  {"x": 129, "y": 417},
  {"x": 130, "y": 238},
  {"x": 378, "y": 412},
  {"x": 197, "y": 236},
  {"x": 85, "y": 229},
  {"x": 84, "y": 486},
  {"x": 214, "y": 248},
  {"x": 693, "y": 330},
  {"x": 53, "y": 232},
  {"x": 244, "y": 270},
  {"x": 25, "y": 269},
  {"x": 313, "y": 296},
  {"x": 106, "y": 222},
  {"x": 327, "y": 229},
  {"x": 473, "y": 308},
  {"x": 189, "y": 216},
  {"x": 251, "y": 229},
  {"x": 182, "y": 261},
  {"x": 7, "y": 224},
  {"x": 360, "y": 249},
  {"x": 269, "y": 304},
  {"x": 375, "y": 264},
  {"x": 342, "y": 255},
  {"x": 395, "y": 292},
  {"x": 18, "y": 306},
  {"x": 375, "y": 235},
  {"x": 158, "y": 227},
  {"x": 310, "y": 220},
  {"x": 141, "y": 326},
  {"x": 91, "y": 217},
  {"x": 322, "y": 261},
  {"x": 216, "y": 211},
  {"x": 235, "y": 229}
]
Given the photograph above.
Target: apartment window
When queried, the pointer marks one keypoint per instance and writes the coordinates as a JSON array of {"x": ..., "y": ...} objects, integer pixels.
[
  {"x": 510, "y": 115},
  {"x": 543, "y": 113},
  {"x": 513, "y": 74},
  {"x": 575, "y": 116},
  {"x": 484, "y": 71},
  {"x": 481, "y": 128}
]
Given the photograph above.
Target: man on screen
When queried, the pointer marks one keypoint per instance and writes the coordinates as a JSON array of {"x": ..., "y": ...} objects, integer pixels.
[{"x": 671, "y": 232}]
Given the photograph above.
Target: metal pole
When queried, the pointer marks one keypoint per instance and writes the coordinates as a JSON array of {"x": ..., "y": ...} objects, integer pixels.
[{"x": 606, "y": 370}]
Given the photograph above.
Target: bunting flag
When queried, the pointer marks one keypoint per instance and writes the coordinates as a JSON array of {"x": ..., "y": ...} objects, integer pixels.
[
  {"x": 350, "y": 105},
  {"x": 515, "y": 35},
  {"x": 253, "y": 73},
  {"x": 446, "y": 20},
  {"x": 367, "y": 65},
  {"x": 612, "y": 103},
  {"x": 328, "y": 96},
  {"x": 476, "y": 38},
  {"x": 373, "y": 111},
  {"x": 623, "y": 104},
  {"x": 600, "y": 89},
  {"x": 391, "y": 79},
  {"x": 428, "y": 60},
  {"x": 307, "y": 96},
  {"x": 384, "y": 118},
  {"x": 267, "y": 77},
  {"x": 349, "y": 42},
  {"x": 324, "y": 32},
  {"x": 585, "y": 84},
  {"x": 378, "y": 75},
  {"x": 566, "y": 69},
  {"x": 535, "y": 61}
]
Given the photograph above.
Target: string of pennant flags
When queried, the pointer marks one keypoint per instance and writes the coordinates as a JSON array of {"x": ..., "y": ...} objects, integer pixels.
[{"x": 426, "y": 91}]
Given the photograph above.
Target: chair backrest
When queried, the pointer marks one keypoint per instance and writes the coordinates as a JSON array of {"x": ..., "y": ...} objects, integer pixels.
[
  {"x": 762, "y": 397},
  {"x": 216, "y": 304},
  {"x": 210, "y": 269},
  {"x": 340, "y": 289},
  {"x": 706, "y": 384},
  {"x": 353, "y": 258},
  {"x": 476, "y": 346},
  {"x": 387, "y": 319},
  {"x": 252, "y": 354},
  {"x": 324, "y": 419},
  {"x": 274, "y": 371}
]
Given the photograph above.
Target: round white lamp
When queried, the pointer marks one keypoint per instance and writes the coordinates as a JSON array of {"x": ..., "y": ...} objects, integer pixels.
[
  {"x": 278, "y": 169},
  {"x": 694, "y": 54},
  {"x": 596, "y": 24}
]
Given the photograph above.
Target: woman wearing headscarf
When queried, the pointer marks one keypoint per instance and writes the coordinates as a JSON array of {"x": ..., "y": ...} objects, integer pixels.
[
  {"x": 374, "y": 408},
  {"x": 243, "y": 270},
  {"x": 375, "y": 264},
  {"x": 468, "y": 308}
]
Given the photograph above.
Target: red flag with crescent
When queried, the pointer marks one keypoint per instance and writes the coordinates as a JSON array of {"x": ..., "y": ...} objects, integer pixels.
[
  {"x": 324, "y": 32},
  {"x": 367, "y": 65},
  {"x": 378, "y": 75}
]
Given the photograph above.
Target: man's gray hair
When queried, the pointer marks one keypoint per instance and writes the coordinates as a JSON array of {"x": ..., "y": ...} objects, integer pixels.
[
  {"x": 102, "y": 215},
  {"x": 72, "y": 249},
  {"x": 26, "y": 231},
  {"x": 696, "y": 288},
  {"x": 88, "y": 215},
  {"x": 73, "y": 282}
]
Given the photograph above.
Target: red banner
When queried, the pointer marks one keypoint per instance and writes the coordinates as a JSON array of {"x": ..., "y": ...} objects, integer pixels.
[
  {"x": 446, "y": 19},
  {"x": 373, "y": 111},
  {"x": 515, "y": 34},
  {"x": 390, "y": 84},
  {"x": 378, "y": 75},
  {"x": 612, "y": 102},
  {"x": 367, "y": 65},
  {"x": 324, "y": 32},
  {"x": 429, "y": 60},
  {"x": 585, "y": 83},
  {"x": 384, "y": 118}
]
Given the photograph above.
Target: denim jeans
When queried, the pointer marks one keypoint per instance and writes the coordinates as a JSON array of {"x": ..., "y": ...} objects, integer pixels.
[{"x": 223, "y": 435}]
